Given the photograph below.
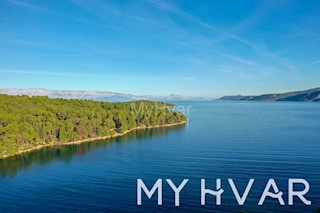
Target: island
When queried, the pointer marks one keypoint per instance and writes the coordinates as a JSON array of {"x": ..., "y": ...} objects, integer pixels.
[
  {"x": 311, "y": 95},
  {"x": 30, "y": 123}
]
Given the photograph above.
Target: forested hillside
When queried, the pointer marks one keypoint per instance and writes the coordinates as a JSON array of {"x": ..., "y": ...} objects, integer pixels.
[{"x": 26, "y": 122}]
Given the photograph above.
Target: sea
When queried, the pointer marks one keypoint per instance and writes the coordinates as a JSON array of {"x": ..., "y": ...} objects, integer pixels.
[{"x": 222, "y": 140}]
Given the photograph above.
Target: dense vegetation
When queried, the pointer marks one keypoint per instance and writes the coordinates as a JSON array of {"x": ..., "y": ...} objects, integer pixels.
[
  {"x": 15, "y": 164},
  {"x": 26, "y": 122}
]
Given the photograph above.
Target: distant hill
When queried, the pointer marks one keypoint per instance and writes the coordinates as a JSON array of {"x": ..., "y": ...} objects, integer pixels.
[
  {"x": 311, "y": 95},
  {"x": 93, "y": 95}
]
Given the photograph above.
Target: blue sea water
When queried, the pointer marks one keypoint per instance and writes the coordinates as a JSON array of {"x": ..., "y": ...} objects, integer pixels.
[{"x": 238, "y": 140}]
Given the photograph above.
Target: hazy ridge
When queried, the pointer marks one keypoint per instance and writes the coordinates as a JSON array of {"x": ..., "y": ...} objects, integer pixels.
[
  {"x": 311, "y": 95},
  {"x": 93, "y": 95}
]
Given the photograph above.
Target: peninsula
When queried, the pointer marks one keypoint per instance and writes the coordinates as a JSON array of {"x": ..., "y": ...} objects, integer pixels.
[
  {"x": 29, "y": 123},
  {"x": 311, "y": 95}
]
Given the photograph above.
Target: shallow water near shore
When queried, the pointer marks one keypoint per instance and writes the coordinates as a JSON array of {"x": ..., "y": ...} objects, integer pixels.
[{"x": 238, "y": 140}]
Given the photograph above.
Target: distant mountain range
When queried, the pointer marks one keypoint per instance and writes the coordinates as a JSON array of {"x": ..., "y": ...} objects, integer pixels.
[
  {"x": 311, "y": 95},
  {"x": 94, "y": 95},
  {"x": 306, "y": 95}
]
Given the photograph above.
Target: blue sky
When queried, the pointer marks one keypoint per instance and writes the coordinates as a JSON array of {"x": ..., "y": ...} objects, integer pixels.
[{"x": 198, "y": 48}]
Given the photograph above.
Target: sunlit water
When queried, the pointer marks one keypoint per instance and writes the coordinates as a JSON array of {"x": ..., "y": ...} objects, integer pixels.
[{"x": 238, "y": 140}]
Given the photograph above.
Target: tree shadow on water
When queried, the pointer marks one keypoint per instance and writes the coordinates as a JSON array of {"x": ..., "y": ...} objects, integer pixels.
[{"x": 10, "y": 166}]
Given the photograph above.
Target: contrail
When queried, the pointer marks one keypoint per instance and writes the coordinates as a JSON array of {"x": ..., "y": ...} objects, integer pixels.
[
  {"x": 315, "y": 62},
  {"x": 23, "y": 4},
  {"x": 197, "y": 21}
]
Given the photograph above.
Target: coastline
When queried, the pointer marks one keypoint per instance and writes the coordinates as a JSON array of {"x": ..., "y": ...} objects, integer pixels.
[{"x": 90, "y": 139}]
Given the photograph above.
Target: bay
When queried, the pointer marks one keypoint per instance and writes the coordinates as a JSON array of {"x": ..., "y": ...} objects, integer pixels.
[{"x": 222, "y": 139}]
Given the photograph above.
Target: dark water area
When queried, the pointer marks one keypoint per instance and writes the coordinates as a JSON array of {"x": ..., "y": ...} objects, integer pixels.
[{"x": 238, "y": 140}]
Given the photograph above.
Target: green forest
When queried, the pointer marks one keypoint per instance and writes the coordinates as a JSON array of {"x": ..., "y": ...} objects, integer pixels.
[{"x": 27, "y": 122}]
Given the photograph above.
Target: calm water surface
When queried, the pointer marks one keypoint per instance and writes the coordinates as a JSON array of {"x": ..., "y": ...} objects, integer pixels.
[{"x": 237, "y": 140}]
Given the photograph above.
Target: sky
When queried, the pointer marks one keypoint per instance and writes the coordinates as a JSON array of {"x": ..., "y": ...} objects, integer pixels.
[{"x": 156, "y": 47}]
